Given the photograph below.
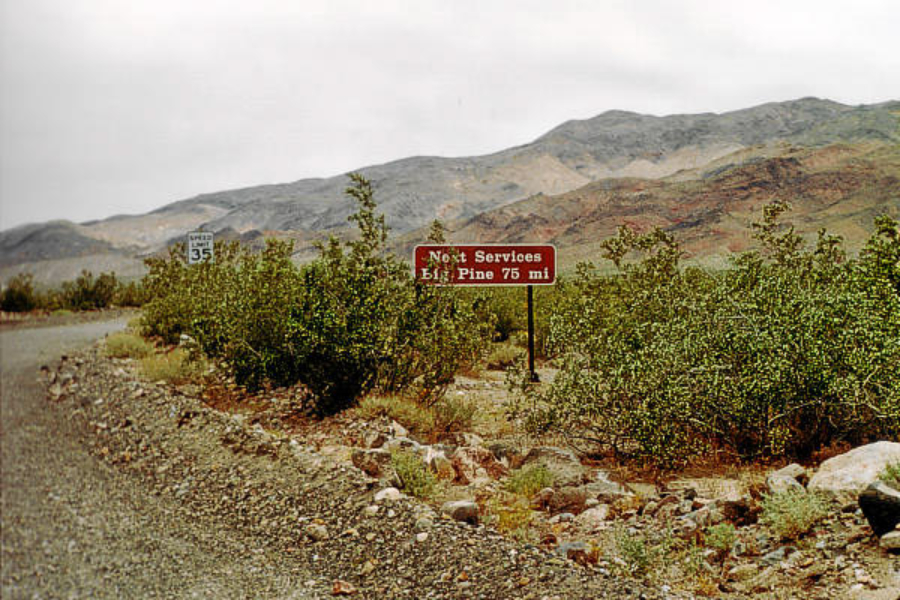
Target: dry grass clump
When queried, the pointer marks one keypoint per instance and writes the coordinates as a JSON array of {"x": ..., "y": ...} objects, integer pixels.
[
  {"x": 127, "y": 345},
  {"x": 529, "y": 480},
  {"x": 176, "y": 366},
  {"x": 445, "y": 416}
]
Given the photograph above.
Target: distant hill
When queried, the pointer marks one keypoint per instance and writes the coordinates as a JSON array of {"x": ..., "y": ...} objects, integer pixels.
[
  {"x": 841, "y": 187},
  {"x": 599, "y": 157}
]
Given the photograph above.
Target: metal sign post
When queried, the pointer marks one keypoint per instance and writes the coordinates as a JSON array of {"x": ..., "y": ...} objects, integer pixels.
[{"x": 489, "y": 264}]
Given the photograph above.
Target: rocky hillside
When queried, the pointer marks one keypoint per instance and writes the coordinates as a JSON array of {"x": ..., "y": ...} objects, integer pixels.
[
  {"x": 604, "y": 152},
  {"x": 840, "y": 187}
]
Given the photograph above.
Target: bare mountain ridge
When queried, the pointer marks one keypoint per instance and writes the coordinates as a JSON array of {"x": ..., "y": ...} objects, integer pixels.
[
  {"x": 841, "y": 187},
  {"x": 413, "y": 191}
]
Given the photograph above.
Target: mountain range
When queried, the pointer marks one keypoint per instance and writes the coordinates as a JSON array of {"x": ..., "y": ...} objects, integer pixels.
[{"x": 704, "y": 176}]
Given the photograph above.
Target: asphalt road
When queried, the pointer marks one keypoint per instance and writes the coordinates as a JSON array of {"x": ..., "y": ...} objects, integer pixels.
[{"x": 73, "y": 527}]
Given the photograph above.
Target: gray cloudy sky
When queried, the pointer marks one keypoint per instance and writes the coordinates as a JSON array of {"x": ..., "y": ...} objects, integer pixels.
[{"x": 112, "y": 106}]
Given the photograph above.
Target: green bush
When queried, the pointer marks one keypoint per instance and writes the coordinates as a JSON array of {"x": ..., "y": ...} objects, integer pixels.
[
  {"x": 415, "y": 478},
  {"x": 789, "y": 350},
  {"x": 792, "y": 513},
  {"x": 19, "y": 295},
  {"x": 721, "y": 537},
  {"x": 529, "y": 480},
  {"x": 350, "y": 322},
  {"x": 88, "y": 293}
]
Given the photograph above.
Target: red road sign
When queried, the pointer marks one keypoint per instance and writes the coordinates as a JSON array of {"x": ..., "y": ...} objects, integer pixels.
[{"x": 485, "y": 264}]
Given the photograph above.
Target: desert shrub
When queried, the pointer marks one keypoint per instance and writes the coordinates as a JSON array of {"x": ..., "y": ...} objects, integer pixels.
[
  {"x": 510, "y": 514},
  {"x": 350, "y": 322},
  {"x": 130, "y": 294},
  {"x": 87, "y": 292},
  {"x": 406, "y": 411},
  {"x": 448, "y": 415},
  {"x": 785, "y": 352},
  {"x": 792, "y": 513},
  {"x": 19, "y": 295},
  {"x": 721, "y": 537},
  {"x": 127, "y": 345},
  {"x": 177, "y": 366},
  {"x": 634, "y": 551},
  {"x": 414, "y": 477},
  {"x": 529, "y": 480}
]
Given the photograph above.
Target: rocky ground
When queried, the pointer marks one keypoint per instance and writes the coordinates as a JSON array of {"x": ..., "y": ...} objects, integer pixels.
[
  {"x": 323, "y": 493},
  {"x": 228, "y": 474}
]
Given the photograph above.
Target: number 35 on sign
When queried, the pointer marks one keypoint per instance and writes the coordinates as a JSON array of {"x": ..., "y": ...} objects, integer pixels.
[{"x": 200, "y": 247}]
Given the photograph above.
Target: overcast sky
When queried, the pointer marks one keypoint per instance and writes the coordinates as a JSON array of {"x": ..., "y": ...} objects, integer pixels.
[{"x": 122, "y": 106}]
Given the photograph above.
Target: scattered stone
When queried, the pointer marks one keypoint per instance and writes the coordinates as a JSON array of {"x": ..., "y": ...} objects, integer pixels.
[
  {"x": 740, "y": 512},
  {"x": 593, "y": 517},
  {"x": 375, "y": 439},
  {"x": 880, "y": 503},
  {"x": 568, "y": 500},
  {"x": 402, "y": 443},
  {"x": 398, "y": 431},
  {"x": 798, "y": 472},
  {"x": 467, "y": 462},
  {"x": 779, "y": 483},
  {"x": 578, "y": 552},
  {"x": 317, "y": 532},
  {"x": 371, "y": 461},
  {"x": 565, "y": 466},
  {"x": 465, "y": 511},
  {"x": 853, "y": 471},
  {"x": 342, "y": 588},
  {"x": 388, "y": 495},
  {"x": 891, "y": 540},
  {"x": 709, "y": 487},
  {"x": 776, "y": 556},
  {"x": 438, "y": 462},
  {"x": 743, "y": 572},
  {"x": 421, "y": 536},
  {"x": 561, "y": 518}
]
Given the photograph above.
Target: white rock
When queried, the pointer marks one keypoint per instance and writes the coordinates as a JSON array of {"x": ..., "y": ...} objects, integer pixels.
[
  {"x": 778, "y": 483},
  {"x": 592, "y": 517},
  {"x": 853, "y": 471},
  {"x": 388, "y": 494}
]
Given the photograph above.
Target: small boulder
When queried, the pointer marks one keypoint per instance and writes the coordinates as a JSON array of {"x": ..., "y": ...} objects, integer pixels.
[
  {"x": 880, "y": 504},
  {"x": 565, "y": 466},
  {"x": 370, "y": 461},
  {"x": 468, "y": 463},
  {"x": 891, "y": 540},
  {"x": 853, "y": 471},
  {"x": 796, "y": 471},
  {"x": 388, "y": 495},
  {"x": 593, "y": 517},
  {"x": 317, "y": 532},
  {"x": 402, "y": 443},
  {"x": 568, "y": 499},
  {"x": 778, "y": 483},
  {"x": 438, "y": 462},
  {"x": 465, "y": 511}
]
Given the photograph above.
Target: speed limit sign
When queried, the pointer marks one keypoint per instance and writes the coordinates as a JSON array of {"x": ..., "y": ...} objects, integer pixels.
[{"x": 200, "y": 247}]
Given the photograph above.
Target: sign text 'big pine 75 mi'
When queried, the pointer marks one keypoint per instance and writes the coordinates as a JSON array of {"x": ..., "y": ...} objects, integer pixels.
[{"x": 486, "y": 264}]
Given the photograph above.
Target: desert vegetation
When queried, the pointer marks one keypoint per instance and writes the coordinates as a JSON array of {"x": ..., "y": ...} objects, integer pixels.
[
  {"x": 351, "y": 322},
  {"x": 789, "y": 350},
  {"x": 85, "y": 292}
]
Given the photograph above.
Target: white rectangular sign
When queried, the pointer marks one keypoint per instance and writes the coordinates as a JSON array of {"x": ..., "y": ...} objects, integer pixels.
[{"x": 200, "y": 247}]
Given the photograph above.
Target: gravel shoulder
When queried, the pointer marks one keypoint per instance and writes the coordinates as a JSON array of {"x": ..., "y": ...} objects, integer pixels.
[
  {"x": 114, "y": 487},
  {"x": 74, "y": 526}
]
